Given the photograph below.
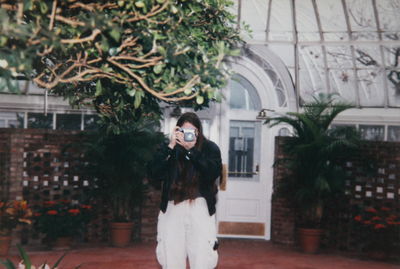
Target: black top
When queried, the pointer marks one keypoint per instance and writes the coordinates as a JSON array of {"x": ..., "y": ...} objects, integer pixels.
[{"x": 206, "y": 161}]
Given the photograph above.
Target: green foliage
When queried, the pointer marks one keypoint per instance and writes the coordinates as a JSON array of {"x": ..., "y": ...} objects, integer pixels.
[
  {"x": 119, "y": 163},
  {"x": 119, "y": 56},
  {"x": 26, "y": 262},
  {"x": 315, "y": 154}
]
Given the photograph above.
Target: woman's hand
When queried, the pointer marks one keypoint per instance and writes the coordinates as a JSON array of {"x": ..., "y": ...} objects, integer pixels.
[
  {"x": 172, "y": 141},
  {"x": 181, "y": 141}
]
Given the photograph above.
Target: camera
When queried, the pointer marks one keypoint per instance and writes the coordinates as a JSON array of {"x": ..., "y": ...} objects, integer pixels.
[{"x": 188, "y": 134}]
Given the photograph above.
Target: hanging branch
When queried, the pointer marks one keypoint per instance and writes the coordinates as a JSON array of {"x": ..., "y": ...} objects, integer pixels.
[{"x": 139, "y": 51}]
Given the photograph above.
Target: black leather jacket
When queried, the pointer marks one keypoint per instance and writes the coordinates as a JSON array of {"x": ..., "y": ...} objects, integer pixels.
[{"x": 207, "y": 161}]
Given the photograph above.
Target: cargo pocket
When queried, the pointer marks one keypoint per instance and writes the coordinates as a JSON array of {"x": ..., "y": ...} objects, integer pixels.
[{"x": 213, "y": 257}]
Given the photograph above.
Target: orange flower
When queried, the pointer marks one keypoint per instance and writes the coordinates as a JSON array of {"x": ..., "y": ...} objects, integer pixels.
[
  {"x": 52, "y": 212},
  {"x": 367, "y": 222},
  {"x": 357, "y": 218},
  {"x": 49, "y": 203},
  {"x": 74, "y": 211},
  {"x": 376, "y": 218},
  {"x": 86, "y": 206},
  {"x": 37, "y": 214},
  {"x": 383, "y": 208}
]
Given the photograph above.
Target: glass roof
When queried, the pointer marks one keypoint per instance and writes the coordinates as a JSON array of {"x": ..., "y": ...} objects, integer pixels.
[{"x": 351, "y": 47}]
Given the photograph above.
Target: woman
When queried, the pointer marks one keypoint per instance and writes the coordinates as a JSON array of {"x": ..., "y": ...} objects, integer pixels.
[{"x": 188, "y": 168}]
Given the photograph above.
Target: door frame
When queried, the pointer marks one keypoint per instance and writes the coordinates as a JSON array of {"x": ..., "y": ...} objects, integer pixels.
[{"x": 268, "y": 99}]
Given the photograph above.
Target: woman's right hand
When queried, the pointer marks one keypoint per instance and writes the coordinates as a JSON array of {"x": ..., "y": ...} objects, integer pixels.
[{"x": 174, "y": 135}]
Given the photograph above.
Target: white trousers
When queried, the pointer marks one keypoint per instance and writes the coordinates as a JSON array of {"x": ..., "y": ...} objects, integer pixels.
[{"x": 187, "y": 230}]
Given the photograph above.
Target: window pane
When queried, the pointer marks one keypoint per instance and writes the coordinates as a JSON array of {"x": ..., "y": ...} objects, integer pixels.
[
  {"x": 11, "y": 120},
  {"x": 393, "y": 78},
  {"x": 241, "y": 150},
  {"x": 371, "y": 88},
  {"x": 253, "y": 13},
  {"x": 394, "y": 133},
  {"x": 362, "y": 16},
  {"x": 40, "y": 121},
  {"x": 388, "y": 14},
  {"x": 68, "y": 121},
  {"x": 243, "y": 95},
  {"x": 284, "y": 132},
  {"x": 372, "y": 132},
  {"x": 281, "y": 24},
  {"x": 332, "y": 19}
]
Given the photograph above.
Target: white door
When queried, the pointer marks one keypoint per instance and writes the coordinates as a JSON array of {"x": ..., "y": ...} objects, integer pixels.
[{"x": 242, "y": 206}]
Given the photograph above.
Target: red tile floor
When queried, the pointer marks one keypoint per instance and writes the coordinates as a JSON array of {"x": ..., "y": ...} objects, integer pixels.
[{"x": 234, "y": 254}]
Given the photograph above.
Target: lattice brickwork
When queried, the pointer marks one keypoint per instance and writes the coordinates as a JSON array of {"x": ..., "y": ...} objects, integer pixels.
[
  {"x": 48, "y": 165},
  {"x": 374, "y": 180}
]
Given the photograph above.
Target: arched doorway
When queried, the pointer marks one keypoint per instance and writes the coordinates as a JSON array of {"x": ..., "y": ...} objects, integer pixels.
[{"x": 247, "y": 147}]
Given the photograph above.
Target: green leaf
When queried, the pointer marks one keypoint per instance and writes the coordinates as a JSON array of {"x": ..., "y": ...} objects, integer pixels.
[
  {"x": 174, "y": 10},
  {"x": 43, "y": 7},
  {"x": 104, "y": 44},
  {"x": 8, "y": 264},
  {"x": 139, "y": 4},
  {"x": 199, "y": 99},
  {"x": 99, "y": 88},
  {"x": 58, "y": 261},
  {"x": 115, "y": 34},
  {"x": 25, "y": 257},
  {"x": 138, "y": 100},
  {"x": 131, "y": 92},
  {"x": 162, "y": 51},
  {"x": 158, "y": 69},
  {"x": 3, "y": 40},
  {"x": 235, "y": 52},
  {"x": 28, "y": 5}
]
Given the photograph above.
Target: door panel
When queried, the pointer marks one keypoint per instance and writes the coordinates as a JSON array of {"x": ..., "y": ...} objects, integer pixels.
[{"x": 243, "y": 204}]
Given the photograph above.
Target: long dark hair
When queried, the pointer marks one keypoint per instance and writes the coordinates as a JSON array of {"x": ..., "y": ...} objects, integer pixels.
[
  {"x": 186, "y": 184},
  {"x": 193, "y": 119}
]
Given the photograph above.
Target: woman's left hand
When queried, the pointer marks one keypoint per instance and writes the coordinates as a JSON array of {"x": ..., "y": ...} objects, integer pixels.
[{"x": 181, "y": 141}]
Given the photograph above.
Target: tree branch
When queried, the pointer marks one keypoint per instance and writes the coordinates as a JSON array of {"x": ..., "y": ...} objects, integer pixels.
[
  {"x": 90, "y": 38},
  {"x": 162, "y": 96},
  {"x": 53, "y": 13}
]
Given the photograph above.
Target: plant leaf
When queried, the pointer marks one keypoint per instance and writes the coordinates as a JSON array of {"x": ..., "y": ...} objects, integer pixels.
[{"x": 25, "y": 257}]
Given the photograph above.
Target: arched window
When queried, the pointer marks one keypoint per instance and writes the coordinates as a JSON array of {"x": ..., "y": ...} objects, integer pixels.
[{"x": 243, "y": 94}]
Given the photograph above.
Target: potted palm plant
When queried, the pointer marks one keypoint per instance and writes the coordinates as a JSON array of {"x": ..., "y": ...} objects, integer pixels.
[
  {"x": 315, "y": 156},
  {"x": 118, "y": 162}
]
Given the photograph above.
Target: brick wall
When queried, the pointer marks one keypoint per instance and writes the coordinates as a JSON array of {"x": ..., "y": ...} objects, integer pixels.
[
  {"x": 373, "y": 179},
  {"x": 38, "y": 165},
  {"x": 4, "y": 165}
]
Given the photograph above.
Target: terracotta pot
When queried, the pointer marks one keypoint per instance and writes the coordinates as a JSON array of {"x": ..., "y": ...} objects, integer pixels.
[
  {"x": 121, "y": 233},
  {"x": 5, "y": 242},
  {"x": 62, "y": 243},
  {"x": 309, "y": 239}
]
